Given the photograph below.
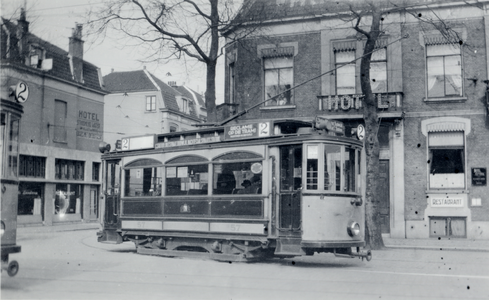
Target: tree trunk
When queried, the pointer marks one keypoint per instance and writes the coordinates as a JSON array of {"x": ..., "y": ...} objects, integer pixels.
[
  {"x": 373, "y": 233},
  {"x": 210, "y": 92}
]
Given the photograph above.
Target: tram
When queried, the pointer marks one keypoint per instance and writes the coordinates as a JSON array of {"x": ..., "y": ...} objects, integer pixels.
[
  {"x": 241, "y": 192},
  {"x": 11, "y": 113}
]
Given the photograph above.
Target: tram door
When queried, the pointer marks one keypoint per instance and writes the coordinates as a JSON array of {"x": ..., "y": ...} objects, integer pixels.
[
  {"x": 112, "y": 191},
  {"x": 290, "y": 185}
]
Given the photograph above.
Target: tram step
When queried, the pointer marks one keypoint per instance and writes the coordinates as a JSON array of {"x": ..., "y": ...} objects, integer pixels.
[{"x": 289, "y": 246}]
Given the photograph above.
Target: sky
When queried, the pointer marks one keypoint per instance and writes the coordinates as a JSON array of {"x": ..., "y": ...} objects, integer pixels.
[{"x": 53, "y": 21}]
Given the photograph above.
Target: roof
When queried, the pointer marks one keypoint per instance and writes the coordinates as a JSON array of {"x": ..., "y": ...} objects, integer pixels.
[
  {"x": 141, "y": 81},
  {"x": 191, "y": 94},
  {"x": 259, "y": 10},
  {"x": 61, "y": 61}
]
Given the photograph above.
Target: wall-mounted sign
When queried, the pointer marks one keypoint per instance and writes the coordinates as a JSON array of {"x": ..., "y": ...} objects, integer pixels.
[
  {"x": 479, "y": 176},
  {"x": 360, "y": 132},
  {"x": 241, "y": 131},
  {"x": 20, "y": 91},
  {"x": 446, "y": 202},
  {"x": 88, "y": 125}
]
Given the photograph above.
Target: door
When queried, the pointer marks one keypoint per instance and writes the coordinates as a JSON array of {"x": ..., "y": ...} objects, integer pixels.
[
  {"x": 384, "y": 198},
  {"x": 93, "y": 202},
  {"x": 290, "y": 187},
  {"x": 112, "y": 192}
]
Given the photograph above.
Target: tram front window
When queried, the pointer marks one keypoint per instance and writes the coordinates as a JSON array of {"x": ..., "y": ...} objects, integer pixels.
[
  {"x": 332, "y": 167},
  {"x": 143, "y": 182}
]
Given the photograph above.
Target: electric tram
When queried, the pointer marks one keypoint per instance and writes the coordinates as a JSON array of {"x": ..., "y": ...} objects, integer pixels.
[
  {"x": 11, "y": 113},
  {"x": 240, "y": 192}
]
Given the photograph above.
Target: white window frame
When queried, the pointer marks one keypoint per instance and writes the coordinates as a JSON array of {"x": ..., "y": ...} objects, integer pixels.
[
  {"x": 151, "y": 103},
  {"x": 284, "y": 69},
  {"x": 444, "y": 52}
]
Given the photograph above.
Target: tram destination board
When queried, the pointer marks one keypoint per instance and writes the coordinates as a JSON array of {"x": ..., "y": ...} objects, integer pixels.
[{"x": 245, "y": 131}]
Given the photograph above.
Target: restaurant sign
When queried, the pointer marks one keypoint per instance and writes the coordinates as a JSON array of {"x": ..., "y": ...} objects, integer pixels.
[
  {"x": 446, "y": 202},
  {"x": 479, "y": 176}
]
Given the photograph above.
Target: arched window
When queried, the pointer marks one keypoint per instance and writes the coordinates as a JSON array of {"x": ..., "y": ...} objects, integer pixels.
[
  {"x": 143, "y": 177},
  {"x": 238, "y": 172},
  {"x": 187, "y": 175}
]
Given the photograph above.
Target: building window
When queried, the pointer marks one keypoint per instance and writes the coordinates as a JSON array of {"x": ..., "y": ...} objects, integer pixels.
[
  {"x": 95, "y": 171},
  {"x": 448, "y": 227},
  {"x": 444, "y": 70},
  {"x": 69, "y": 169},
  {"x": 60, "y": 115},
  {"x": 184, "y": 107},
  {"x": 32, "y": 166},
  {"x": 446, "y": 159},
  {"x": 232, "y": 83},
  {"x": 30, "y": 198},
  {"x": 345, "y": 72},
  {"x": 279, "y": 77},
  {"x": 68, "y": 199},
  {"x": 150, "y": 103},
  {"x": 378, "y": 71}
]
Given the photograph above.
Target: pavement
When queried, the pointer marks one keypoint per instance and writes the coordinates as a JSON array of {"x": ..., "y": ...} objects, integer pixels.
[{"x": 448, "y": 244}]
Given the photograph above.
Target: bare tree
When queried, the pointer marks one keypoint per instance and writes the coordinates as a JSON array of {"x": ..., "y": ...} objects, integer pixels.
[
  {"x": 374, "y": 12},
  {"x": 171, "y": 29}
]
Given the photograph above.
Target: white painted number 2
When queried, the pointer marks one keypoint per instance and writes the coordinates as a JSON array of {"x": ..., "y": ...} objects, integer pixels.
[
  {"x": 125, "y": 144},
  {"x": 264, "y": 129}
]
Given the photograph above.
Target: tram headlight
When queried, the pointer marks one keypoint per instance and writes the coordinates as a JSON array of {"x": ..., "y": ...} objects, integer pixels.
[
  {"x": 2, "y": 230},
  {"x": 353, "y": 229}
]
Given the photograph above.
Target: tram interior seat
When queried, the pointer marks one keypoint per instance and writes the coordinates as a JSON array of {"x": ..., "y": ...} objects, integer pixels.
[{"x": 196, "y": 192}]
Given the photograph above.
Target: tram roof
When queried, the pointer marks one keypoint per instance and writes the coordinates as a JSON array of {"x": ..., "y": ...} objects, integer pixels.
[{"x": 257, "y": 132}]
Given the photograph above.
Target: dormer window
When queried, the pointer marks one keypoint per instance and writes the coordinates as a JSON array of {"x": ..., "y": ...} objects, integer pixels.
[{"x": 36, "y": 56}]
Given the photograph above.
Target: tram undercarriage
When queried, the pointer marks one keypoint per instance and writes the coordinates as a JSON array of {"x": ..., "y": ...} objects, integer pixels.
[{"x": 231, "y": 249}]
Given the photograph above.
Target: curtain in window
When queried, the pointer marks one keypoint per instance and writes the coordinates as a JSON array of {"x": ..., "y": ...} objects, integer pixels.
[
  {"x": 444, "y": 67},
  {"x": 279, "y": 77}
]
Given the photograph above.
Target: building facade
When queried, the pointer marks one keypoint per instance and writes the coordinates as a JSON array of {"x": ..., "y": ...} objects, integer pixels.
[
  {"x": 431, "y": 89},
  {"x": 62, "y": 126},
  {"x": 140, "y": 103}
]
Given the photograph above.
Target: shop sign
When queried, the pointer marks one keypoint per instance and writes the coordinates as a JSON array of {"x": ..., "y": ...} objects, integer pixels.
[
  {"x": 479, "y": 176},
  {"x": 446, "y": 202},
  {"x": 241, "y": 131}
]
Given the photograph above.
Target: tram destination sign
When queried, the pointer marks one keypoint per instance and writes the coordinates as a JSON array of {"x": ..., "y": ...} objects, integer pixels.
[
  {"x": 246, "y": 131},
  {"x": 138, "y": 142}
]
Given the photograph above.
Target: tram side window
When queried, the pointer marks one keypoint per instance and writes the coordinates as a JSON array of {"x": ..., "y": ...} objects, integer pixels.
[
  {"x": 238, "y": 178},
  {"x": 187, "y": 180},
  {"x": 143, "y": 182}
]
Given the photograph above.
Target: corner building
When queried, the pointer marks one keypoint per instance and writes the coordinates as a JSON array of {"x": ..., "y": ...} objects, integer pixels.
[
  {"x": 62, "y": 126},
  {"x": 431, "y": 90}
]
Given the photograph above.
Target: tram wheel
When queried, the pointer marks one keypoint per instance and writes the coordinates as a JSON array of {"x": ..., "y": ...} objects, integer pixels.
[{"x": 13, "y": 268}]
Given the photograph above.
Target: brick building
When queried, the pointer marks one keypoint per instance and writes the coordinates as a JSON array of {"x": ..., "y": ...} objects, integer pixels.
[
  {"x": 431, "y": 91},
  {"x": 61, "y": 128}
]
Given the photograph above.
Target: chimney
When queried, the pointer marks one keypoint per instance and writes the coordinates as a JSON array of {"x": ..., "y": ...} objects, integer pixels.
[
  {"x": 22, "y": 33},
  {"x": 76, "y": 53},
  {"x": 172, "y": 83}
]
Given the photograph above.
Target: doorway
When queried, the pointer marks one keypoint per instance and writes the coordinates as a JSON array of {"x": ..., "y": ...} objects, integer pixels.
[{"x": 384, "y": 196}]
